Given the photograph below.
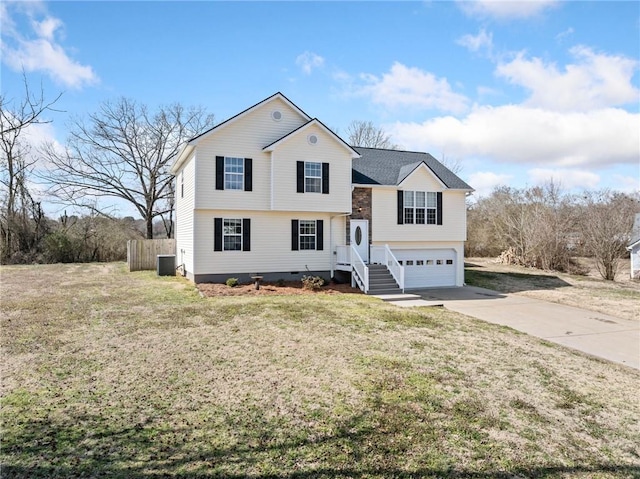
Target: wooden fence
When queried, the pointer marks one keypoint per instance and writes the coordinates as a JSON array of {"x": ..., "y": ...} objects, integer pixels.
[{"x": 141, "y": 254}]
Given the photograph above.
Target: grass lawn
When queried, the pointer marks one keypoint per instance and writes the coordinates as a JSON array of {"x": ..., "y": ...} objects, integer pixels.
[{"x": 113, "y": 374}]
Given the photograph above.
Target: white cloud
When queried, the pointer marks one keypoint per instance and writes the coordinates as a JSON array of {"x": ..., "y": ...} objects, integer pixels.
[
  {"x": 628, "y": 184},
  {"x": 566, "y": 178},
  {"x": 593, "y": 81},
  {"x": 39, "y": 50},
  {"x": 505, "y": 9},
  {"x": 47, "y": 27},
  {"x": 484, "y": 182},
  {"x": 476, "y": 42},
  {"x": 307, "y": 61},
  {"x": 562, "y": 35},
  {"x": 519, "y": 134},
  {"x": 410, "y": 87}
]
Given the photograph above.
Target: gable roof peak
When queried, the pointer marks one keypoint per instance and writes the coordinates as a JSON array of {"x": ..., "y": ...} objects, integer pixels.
[
  {"x": 313, "y": 121},
  {"x": 190, "y": 144},
  {"x": 379, "y": 166}
]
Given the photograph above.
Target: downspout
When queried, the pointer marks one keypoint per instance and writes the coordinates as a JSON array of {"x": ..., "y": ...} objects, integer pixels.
[{"x": 272, "y": 175}]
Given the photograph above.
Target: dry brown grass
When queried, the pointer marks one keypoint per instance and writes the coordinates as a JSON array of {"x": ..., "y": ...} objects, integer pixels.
[
  {"x": 106, "y": 373},
  {"x": 620, "y": 298}
]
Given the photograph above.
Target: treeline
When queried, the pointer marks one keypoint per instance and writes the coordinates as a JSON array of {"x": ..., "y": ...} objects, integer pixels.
[
  {"x": 70, "y": 239},
  {"x": 547, "y": 228},
  {"x": 119, "y": 154}
]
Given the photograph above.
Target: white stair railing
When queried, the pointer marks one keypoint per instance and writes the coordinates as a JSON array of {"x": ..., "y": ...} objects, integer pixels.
[
  {"x": 395, "y": 268},
  {"x": 359, "y": 271}
]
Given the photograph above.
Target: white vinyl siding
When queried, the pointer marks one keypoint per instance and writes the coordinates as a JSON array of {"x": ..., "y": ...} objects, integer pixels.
[
  {"x": 184, "y": 215},
  {"x": 385, "y": 225},
  {"x": 384, "y": 212},
  {"x": 244, "y": 137},
  {"x": 270, "y": 245},
  {"x": 297, "y": 148}
]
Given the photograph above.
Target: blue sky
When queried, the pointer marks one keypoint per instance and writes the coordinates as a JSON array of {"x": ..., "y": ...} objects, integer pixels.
[{"x": 515, "y": 92}]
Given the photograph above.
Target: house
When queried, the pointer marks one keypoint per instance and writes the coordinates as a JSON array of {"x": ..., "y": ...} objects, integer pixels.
[
  {"x": 634, "y": 248},
  {"x": 274, "y": 192}
]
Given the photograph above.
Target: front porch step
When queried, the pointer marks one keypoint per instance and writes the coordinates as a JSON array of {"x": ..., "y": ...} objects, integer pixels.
[
  {"x": 398, "y": 297},
  {"x": 381, "y": 281}
]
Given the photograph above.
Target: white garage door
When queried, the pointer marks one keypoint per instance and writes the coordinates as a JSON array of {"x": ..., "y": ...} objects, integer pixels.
[{"x": 428, "y": 268}]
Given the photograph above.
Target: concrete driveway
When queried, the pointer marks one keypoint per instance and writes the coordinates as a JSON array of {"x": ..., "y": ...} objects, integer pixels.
[{"x": 598, "y": 334}]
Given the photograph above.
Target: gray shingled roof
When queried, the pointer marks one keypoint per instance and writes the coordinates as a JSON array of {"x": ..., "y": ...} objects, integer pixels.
[{"x": 390, "y": 167}]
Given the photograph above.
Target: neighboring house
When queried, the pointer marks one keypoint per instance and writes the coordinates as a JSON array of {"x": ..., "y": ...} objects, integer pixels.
[
  {"x": 634, "y": 248},
  {"x": 274, "y": 192}
]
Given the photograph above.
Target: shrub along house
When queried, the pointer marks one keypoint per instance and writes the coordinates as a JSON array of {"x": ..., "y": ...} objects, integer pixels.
[{"x": 274, "y": 192}]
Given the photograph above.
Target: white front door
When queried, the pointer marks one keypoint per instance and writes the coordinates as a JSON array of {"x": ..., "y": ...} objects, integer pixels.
[{"x": 360, "y": 238}]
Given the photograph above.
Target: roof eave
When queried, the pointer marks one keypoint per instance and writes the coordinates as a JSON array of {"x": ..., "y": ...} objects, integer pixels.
[
  {"x": 201, "y": 136},
  {"x": 185, "y": 152},
  {"x": 633, "y": 245}
]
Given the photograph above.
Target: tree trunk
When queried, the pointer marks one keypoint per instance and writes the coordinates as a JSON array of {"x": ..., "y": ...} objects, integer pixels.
[{"x": 149, "y": 220}]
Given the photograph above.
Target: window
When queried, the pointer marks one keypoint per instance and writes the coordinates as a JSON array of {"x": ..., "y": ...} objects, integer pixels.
[
  {"x": 409, "y": 262},
  {"x": 420, "y": 207},
  {"x": 408, "y": 207},
  {"x": 307, "y": 235},
  {"x": 449, "y": 261},
  {"x": 232, "y": 234},
  {"x": 438, "y": 261},
  {"x": 312, "y": 177},
  {"x": 182, "y": 184},
  {"x": 420, "y": 262},
  {"x": 429, "y": 262},
  {"x": 233, "y": 173},
  {"x": 432, "y": 205}
]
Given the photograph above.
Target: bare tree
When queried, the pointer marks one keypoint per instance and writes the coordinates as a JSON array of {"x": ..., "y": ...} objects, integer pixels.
[
  {"x": 454, "y": 164},
  {"x": 367, "y": 135},
  {"x": 124, "y": 151},
  {"x": 22, "y": 218},
  {"x": 606, "y": 220},
  {"x": 533, "y": 225}
]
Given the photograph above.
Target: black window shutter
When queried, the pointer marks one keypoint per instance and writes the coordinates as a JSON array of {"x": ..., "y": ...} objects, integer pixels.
[
  {"x": 217, "y": 234},
  {"x": 300, "y": 176},
  {"x": 439, "y": 207},
  {"x": 294, "y": 235},
  {"x": 248, "y": 174},
  {"x": 246, "y": 234},
  {"x": 319, "y": 235},
  {"x": 325, "y": 178},
  {"x": 400, "y": 207},
  {"x": 219, "y": 172}
]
